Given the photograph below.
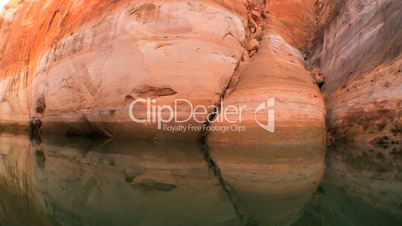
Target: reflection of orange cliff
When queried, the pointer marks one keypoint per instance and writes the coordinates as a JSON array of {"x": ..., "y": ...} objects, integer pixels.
[
  {"x": 118, "y": 183},
  {"x": 20, "y": 203},
  {"x": 100, "y": 184}
]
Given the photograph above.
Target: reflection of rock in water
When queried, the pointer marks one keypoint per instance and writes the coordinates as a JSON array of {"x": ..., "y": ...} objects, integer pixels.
[
  {"x": 372, "y": 174},
  {"x": 61, "y": 182},
  {"x": 125, "y": 183},
  {"x": 271, "y": 185},
  {"x": 363, "y": 186},
  {"x": 80, "y": 182},
  {"x": 18, "y": 202}
]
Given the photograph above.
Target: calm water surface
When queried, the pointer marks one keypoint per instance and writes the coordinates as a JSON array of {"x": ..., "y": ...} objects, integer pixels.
[{"x": 75, "y": 182}]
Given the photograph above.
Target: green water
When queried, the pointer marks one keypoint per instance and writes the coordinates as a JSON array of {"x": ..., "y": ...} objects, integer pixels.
[{"x": 81, "y": 182}]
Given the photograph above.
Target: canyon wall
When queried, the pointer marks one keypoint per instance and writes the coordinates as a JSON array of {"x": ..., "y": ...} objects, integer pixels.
[
  {"x": 358, "y": 48},
  {"x": 277, "y": 74},
  {"x": 274, "y": 80},
  {"x": 76, "y": 66}
]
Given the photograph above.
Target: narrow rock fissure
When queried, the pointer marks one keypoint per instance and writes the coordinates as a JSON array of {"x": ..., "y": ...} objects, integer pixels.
[
  {"x": 212, "y": 165},
  {"x": 254, "y": 30}
]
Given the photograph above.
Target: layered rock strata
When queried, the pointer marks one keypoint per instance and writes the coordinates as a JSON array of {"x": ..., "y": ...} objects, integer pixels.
[
  {"x": 359, "y": 50},
  {"x": 76, "y": 66},
  {"x": 275, "y": 79},
  {"x": 283, "y": 145}
]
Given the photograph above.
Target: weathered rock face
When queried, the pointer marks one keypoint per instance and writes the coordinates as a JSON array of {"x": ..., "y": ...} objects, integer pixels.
[
  {"x": 74, "y": 68},
  {"x": 79, "y": 76},
  {"x": 292, "y": 157},
  {"x": 293, "y": 20},
  {"x": 360, "y": 55},
  {"x": 77, "y": 65},
  {"x": 276, "y": 74}
]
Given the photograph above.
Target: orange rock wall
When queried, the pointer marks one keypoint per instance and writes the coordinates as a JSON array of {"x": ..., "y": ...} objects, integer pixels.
[
  {"x": 277, "y": 71},
  {"x": 76, "y": 65}
]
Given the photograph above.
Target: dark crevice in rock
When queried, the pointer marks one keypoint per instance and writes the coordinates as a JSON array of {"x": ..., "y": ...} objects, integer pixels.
[
  {"x": 254, "y": 30},
  {"x": 212, "y": 115},
  {"x": 240, "y": 212},
  {"x": 326, "y": 14},
  {"x": 318, "y": 77}
]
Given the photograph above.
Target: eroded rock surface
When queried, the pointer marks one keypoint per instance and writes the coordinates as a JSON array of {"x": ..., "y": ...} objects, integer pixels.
[
  {"x": 77, "y": 65},
  {"x": 273, "y": 84},
  {"x": 360, "y": 55},
  {"x": 276, "y": 75}
]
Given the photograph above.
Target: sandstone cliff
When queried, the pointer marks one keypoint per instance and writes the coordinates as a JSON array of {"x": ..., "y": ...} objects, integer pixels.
[
  {"x": 275, "y": 78},
  {"x": 359, "y": 50},
  {"x": 77, "y": 65},
  {"x": 74, "y": 67},
  {"x": 277, "y": 72}
]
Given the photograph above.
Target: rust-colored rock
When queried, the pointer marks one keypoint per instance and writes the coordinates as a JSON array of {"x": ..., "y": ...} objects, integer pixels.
[
  {"x": 77, "y": 65},
  {"x": 276, "y": 74},
  {"x": 293, "y": 20},
  {"x": 318, "y": 76},
  {"x": 289, "y": 127}
]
